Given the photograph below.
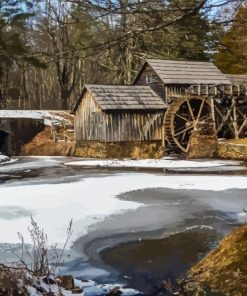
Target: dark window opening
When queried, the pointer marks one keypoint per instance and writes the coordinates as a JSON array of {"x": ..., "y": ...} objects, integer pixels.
[{"x": 3, "y": 141}]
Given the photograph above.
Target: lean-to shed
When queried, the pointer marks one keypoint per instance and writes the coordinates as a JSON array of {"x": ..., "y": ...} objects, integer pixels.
[{"x": 123, "y": 115}]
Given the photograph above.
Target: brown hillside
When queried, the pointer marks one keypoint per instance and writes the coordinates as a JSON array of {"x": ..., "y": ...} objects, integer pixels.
[
  {"x": 225, "y": 268},
  {"x": 43, "y": 144}
]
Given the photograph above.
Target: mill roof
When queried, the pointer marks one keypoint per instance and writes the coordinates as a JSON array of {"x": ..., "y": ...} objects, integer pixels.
[
  {"x": 124, "y": 97},
  {"x": 239, "y": 79},
  {"x": 186, "y": 72}
]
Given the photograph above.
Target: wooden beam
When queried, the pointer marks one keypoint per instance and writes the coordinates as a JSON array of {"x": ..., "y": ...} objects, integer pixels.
[
  {"x": 213, "y": 112},
  {"x": 235, "y": 123}
]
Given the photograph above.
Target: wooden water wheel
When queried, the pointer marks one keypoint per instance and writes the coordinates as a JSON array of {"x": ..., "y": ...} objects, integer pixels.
[{"x": 181, "y": 117}]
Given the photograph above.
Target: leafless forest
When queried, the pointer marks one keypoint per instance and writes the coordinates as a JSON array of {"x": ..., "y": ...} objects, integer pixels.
[{"x": 50, "y": 48}]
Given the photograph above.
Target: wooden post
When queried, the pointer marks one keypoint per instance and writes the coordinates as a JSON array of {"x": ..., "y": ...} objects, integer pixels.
[
  {"x": 53, "y": 132},
  {"x": 64, "y": 132},
  {"x": 213, "y": 112},
  {"x": 166, "y": 94},
  {"x": 235, "y": 123}
]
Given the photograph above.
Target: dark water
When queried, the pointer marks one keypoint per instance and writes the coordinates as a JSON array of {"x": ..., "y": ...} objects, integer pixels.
[{"x": 146, "y": 264}]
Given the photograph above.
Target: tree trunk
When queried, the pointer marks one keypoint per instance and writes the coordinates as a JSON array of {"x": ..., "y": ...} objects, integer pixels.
[{"x": 64, "y": 99}]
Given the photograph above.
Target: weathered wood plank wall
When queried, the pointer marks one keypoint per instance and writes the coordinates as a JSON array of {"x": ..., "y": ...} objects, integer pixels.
[
  {"x": 89, "y": 120},
  {"x": 93, "y": 124},
  {"x": 149, "y": 77}
]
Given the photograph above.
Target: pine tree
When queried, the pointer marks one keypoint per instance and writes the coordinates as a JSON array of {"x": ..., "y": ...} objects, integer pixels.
[
  {"x": 13, "y": 20},
  {"x": 232, "y": 55},
  {"x": 189, "y": 38}
]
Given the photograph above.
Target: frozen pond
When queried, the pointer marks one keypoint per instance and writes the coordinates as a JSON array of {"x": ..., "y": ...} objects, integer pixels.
[{"x": 128, "y": 227}]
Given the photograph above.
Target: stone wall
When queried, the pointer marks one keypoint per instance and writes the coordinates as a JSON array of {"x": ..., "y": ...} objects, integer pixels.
[
  {"x": 230, "y": 149},
  {"x": 135, "y": 149},
  {"x": 203, "y": 142}
]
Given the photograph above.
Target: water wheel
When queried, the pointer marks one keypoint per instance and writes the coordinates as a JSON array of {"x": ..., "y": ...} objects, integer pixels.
[{"x": 181, "y": 118}]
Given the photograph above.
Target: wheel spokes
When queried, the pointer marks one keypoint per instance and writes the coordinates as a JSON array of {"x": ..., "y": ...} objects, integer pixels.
[
  {"x": 184, "y": 130},
  {"x": 200, "y": 110},
  {"x": 182, "y": 117},
  {"x": 185, "y": 114},
  {"x": 190, "y": 109}
]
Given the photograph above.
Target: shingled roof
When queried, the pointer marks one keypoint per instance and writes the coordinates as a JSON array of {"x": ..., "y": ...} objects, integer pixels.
[
  {"x": 239, "y": 79},
  {"x": 124, "y": 97},
  {"x": 186, "y": 72}
]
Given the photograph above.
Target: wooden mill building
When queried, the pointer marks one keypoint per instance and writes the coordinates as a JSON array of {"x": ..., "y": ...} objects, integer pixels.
[
  {"x": 118, "y": 120},
  {"x": 171, "y": 79},
  {"x": 163, "y": 106}
]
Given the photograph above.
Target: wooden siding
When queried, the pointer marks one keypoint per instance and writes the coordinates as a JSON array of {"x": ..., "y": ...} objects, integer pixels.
[
  {"x": 149, "y": 77},
  {"x": 94, "y": 124},
  {"x": 89, "y": 120}
]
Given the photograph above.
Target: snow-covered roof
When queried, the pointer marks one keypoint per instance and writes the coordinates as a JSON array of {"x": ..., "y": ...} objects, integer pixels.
[{"x": 49, "y": 116}]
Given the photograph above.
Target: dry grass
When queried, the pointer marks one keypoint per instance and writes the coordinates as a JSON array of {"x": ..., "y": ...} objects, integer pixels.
[
  {"x": 236, "y": 141},
  {"x": 43, "y": 144},
  {"x": 225, "y": 268}
]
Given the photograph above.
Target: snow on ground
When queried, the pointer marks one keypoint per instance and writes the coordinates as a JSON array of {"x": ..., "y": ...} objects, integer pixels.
[
  {"x": 4, "y": 158},
  {"x": 166, "y": 162},
  {"x": 90, "y": 288},
  {"x": 90, "y": 200},
  {"x": 50, "y": 117}
]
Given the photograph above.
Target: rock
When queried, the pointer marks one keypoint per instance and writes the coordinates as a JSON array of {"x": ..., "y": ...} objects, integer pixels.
[
  {"x": 76, "y": 290},
  {"x": 115, "y": 292},
  {"x": 67, "y": 282},
  {"x": 41, "y": 290},
  {"x": 49, "y": 281}
]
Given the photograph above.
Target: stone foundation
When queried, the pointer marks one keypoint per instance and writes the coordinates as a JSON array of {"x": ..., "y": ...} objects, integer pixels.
[
  {"x": 202, "y": 146},
  {"x": 203, "y": 142},
  {"x": 134, "y": 150},
  {"x": 229, "y": 149}
]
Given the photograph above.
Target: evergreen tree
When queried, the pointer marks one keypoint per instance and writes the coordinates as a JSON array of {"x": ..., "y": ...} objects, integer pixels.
[
  {"x": 13, "y": 19},
  {"x": 232, "y": 55},
  {"x": 189, "y": 38}
]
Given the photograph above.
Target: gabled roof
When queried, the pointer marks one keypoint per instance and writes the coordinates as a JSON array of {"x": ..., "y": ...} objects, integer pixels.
[
  {"x": 239, "y": 79},
  {"x": 186, "y": 72},
  {"x": 123, "y": 97}
]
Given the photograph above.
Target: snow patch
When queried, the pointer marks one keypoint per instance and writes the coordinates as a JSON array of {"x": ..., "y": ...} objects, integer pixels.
[
  {"x": 166, "y": 162},
  {"x": 4, "y": 158},
  {"x": 49, "y": 117},
  {"x": 91, "y": 200},
  {"x": 90, "y": 288}
]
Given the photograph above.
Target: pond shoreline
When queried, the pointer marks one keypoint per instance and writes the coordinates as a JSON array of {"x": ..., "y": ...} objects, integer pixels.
[{"x": 138, "y": 207}]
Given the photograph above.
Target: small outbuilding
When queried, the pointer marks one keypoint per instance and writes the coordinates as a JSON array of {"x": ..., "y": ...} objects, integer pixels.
[
  {"x": 119, "y": 121},
  {"x": 16, "y": 132}
]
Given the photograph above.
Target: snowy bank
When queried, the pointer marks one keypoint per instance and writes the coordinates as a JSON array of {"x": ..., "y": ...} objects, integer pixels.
[
  {"x": 4, "y": 158},
  {"x": 49, "y": 117},
  {"x": 163, "y": 163},
  {"x": 89, "y": 288},
  {"x": 23, "y": 282}
]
